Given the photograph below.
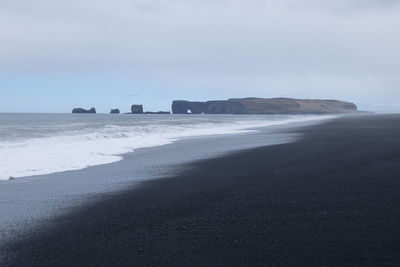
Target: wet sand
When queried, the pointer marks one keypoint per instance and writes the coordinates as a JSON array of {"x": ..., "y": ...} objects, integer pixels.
[{"x": 331, "y": 198}]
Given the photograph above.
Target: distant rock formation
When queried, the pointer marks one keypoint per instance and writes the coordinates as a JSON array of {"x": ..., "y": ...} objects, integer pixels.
[
  {"x": 81, "y": 110},
  {"x": 115, "y": 111},
  {"x": 137, "y": 109},
  {"x": 254, "y": 105},
  {"x": 157, "y": 112}
]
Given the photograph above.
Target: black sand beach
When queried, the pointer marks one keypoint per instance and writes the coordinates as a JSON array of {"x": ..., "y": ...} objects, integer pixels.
[{"x": 331, "y": 198}]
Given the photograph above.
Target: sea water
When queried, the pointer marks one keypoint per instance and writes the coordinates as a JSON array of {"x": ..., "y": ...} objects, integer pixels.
[{"x": 36, "y": 144}]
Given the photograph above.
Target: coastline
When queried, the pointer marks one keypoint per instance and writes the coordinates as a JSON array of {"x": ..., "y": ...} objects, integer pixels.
[
  {"x": 31, "y": 202},
  {"x": 330, "y": 198}
]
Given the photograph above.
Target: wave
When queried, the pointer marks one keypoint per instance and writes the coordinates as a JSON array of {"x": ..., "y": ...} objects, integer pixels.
[{"x": 81, "y": 149}]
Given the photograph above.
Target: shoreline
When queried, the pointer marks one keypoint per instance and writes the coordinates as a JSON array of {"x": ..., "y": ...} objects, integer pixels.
[
  {"x": 31, "y": 202},
  {"x": 330, "y": 198}
]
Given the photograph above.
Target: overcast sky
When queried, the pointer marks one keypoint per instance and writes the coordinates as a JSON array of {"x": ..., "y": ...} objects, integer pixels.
[{"x": 60, "y": 54}]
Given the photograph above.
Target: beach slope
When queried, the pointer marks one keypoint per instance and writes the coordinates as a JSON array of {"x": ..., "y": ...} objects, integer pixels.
[{"x": 331, "y": 198}]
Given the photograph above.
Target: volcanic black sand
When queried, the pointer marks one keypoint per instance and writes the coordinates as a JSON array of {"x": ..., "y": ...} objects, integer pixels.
[{"x": 332, "y": 198}]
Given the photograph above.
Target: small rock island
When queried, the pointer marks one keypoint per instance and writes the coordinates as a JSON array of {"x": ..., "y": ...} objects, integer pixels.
[
  {"x": 81, "y": 110},
  {"x": 115, "y": 111},
  {"x": 254, "y": 105},
  {"x": 137, "y": 109}
]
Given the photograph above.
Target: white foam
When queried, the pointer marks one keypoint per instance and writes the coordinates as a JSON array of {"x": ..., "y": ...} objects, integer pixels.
[{"x": 78, "y": 150}]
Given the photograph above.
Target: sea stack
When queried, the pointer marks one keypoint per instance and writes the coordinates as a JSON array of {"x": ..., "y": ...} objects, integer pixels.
[
  {"x": 81, "y": 110},
  {"x": 137, "y": 109},
  {"x": 114, "y": 111}
]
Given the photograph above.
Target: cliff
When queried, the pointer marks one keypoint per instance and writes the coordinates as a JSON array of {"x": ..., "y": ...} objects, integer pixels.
[
  {"x": 264, "y": 106},
  {"x": 81, "y": 110}
]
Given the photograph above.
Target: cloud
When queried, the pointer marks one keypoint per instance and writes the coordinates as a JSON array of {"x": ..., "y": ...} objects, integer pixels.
[{"x": 342, "y": 6}]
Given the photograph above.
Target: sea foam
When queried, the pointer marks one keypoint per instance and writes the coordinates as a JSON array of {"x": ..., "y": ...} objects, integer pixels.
[{"x": 84, "y": 147}]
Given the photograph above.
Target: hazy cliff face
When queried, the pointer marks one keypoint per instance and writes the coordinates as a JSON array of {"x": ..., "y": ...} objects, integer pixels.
[
  {"x": 264, "y": 106},
  {"x": 186, "y": 107}
]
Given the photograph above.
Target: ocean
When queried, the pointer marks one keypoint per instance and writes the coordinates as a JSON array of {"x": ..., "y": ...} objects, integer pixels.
[{"x": 37, "y": 144}]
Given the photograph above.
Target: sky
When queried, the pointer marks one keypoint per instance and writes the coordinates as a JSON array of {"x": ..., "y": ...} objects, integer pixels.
[{"x": 57, "y": 55}]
